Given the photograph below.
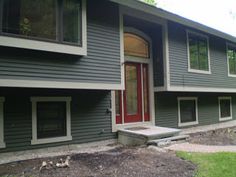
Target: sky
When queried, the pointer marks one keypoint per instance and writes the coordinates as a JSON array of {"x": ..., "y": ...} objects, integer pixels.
[{"x": 218, "y": 14}]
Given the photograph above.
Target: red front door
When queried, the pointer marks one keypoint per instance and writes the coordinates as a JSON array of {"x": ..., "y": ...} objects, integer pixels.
[{"x": 135, "y": 96}]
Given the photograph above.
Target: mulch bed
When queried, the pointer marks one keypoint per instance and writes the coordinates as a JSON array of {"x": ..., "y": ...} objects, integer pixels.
[
  {"x": 121, "y": 162},
  {"x": 225, "y": 136}
]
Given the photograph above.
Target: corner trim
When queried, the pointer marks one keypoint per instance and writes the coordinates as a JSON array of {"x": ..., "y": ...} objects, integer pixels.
[
  {"x": 179, "y": 116},
  {"x": 2, "y": 143},
  {"x": 57, "y": 84},
  {"x": 231, "y": 112},
  {"x": 68, "y": 136}
]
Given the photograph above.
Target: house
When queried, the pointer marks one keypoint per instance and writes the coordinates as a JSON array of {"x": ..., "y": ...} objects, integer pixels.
[{"x": 76, "y": 71}]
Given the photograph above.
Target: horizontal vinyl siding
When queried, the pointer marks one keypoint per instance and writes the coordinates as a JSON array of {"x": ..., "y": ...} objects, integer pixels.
[
  {"x": 89, "y": 118},
  {"x": 178, "y": 62},
  {"x": 101, "y": 65},
  {"x": 208, "y": 108}
]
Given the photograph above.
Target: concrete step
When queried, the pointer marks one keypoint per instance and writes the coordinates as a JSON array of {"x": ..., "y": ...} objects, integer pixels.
[
  {"x": 141, "y": 135},
  {"x": 167, "y": 141}
]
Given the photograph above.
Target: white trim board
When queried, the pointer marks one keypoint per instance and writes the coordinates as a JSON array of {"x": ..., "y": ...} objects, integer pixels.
[
  {"x": 68, "y": 136},
  {"x": 231, "y": 112},
  {"x": 2, "y": 143},
  {"x": 57, "y": 84},
  {"x": 179, "y": 114},
  {"x": 50, "y": 46}
]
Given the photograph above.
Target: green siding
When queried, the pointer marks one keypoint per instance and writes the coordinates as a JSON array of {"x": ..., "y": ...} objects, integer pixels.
[
  {"x": 166, "y": 107},
  {"x": 89, "y": 118},
  {"x": 101, "y": 65},
  {"x": 178, "y": 61}
]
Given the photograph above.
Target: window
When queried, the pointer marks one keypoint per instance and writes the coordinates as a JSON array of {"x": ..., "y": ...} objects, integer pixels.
[
  {"x": 135, "y": 46},
  {"x": 225, "y": 108},
  {"x": 231, "y": 56},
  {"x": 2, "y": 144},
  {"x": 187, "y": 111},
  {"x": 51, "y": 119},
  {"x": 55, "y": 21},
  {"x": 198, "y": 53}
]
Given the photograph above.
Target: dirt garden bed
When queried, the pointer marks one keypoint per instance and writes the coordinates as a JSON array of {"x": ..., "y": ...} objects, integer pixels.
[
  {"x": 223, "y": 137},
  {"x": 121, "y": 162}
]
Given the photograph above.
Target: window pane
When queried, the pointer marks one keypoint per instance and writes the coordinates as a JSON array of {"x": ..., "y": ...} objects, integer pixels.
[
  {"x": 203, "y": 55},
  {"x": 35, "y": 18},
  {"x": 72, "y": 21},
  {"x": 187, "y": 111},
  {"x": 135, "y": 46},
  {"x": 225, "y": 108},
  {"x": 51, "y": 119},
  {"x": 232, "y": 60},
  {"x": 131, "y": 90},
  {"x": 145, "y": 88},
  {"x": 198, "y": 51},
  {"x": 118, "y": 102},
  {"x": 193, "y": 51}
]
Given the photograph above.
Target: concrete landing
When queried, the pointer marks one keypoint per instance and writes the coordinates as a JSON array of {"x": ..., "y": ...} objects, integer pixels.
[{"x": 142, "y": 134}]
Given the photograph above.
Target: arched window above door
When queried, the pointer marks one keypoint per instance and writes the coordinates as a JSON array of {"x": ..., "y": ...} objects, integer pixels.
[{"x": 136, "y": 46}]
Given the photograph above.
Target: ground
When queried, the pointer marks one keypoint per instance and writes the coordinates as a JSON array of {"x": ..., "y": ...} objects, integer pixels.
[
  {"x": 121, "y": 162},
  {"x": 224, "y": 136}
]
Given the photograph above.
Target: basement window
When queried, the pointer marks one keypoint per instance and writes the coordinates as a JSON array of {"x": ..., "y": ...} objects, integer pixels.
[
  {"x": 187, "y": 111},
  {"x": 225, "y": 108},
  {"x": 51, "y": 119},
  {"x": 57, "y": 22}
]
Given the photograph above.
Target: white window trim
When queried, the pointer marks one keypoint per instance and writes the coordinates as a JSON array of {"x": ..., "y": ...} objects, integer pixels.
[
  {"x": 2, "y": 143},
  {"x": 179, "y": 115},
  {"x": 227, "y": 45},
  {"x": 50, "y": 46},
  {"x": 225, "y": 118},
  {"x": 208, "y": 47},
  {"x": 68, "y": 136}
]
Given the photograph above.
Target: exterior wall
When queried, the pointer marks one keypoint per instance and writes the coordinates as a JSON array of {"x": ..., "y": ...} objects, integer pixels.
[
  {"x": 101, "y": 65},
  {"x": 89, "y": 118},
  {"x": 178, "y": 61},
  {"x": 166, "y": 107}
]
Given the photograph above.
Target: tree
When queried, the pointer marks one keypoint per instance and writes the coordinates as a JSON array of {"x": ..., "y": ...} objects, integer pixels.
[{"x": 151, "y": 2}]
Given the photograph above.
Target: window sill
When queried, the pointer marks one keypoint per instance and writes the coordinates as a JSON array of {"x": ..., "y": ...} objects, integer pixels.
[
  {"x": 231, "y": 75},
  {"x": 225, "y": 119},
  {"x": 2, "y": 145},
  {"x": 50, "y": 140},
  {"x": 199, "y": 71},
  {"x": 42, "y": 45},
  {"x": 187, "y": 124}
]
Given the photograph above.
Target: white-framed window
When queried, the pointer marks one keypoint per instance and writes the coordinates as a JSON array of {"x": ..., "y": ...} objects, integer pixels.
[
  {"x": 198, "y": 53},
  {"x": 231, "y": 59},
  {"x": 51, "y": 119},
  {"x": 187, "y": 111},
  {"x": 225, "y": 108},
  {"x": 53, "y": 25},
  {"x": 2, "y": 144}
]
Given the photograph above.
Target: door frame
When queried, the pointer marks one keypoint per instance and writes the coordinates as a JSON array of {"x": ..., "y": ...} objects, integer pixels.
[{"x": 148, "y": 61}]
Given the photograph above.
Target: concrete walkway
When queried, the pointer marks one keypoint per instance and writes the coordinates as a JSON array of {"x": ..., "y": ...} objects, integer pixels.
[{"x": 188, "y": 147}]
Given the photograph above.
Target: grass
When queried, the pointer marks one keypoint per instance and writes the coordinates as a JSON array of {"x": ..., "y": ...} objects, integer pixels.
[{"x": 212, "y": 164}]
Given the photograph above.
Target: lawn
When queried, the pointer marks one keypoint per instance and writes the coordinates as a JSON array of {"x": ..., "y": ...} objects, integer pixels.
[{"x": 212, "y": 164}]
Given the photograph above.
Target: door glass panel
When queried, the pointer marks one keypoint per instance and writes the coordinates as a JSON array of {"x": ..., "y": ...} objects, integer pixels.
[
  {"x": 145, "y": 89},
  {"x": 131, "y": 90}
]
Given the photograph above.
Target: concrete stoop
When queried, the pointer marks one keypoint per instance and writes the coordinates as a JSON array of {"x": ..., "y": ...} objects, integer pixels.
[{"x": 145, "y": 134}]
